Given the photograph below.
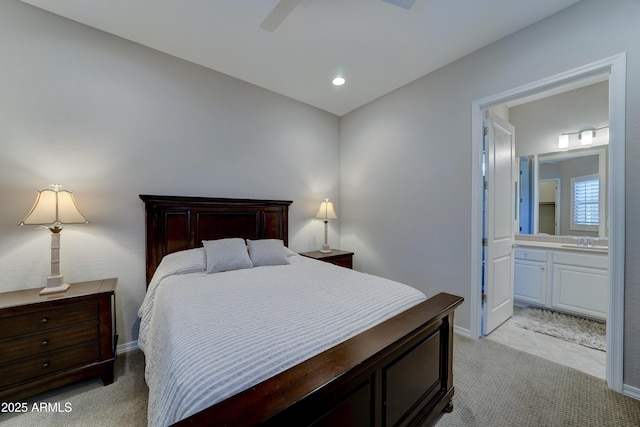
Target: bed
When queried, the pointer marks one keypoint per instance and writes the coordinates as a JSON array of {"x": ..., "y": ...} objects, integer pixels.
[{"x": 389, "y": 362}]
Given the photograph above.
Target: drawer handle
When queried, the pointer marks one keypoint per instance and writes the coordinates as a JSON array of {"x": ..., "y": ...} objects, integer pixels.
[
  {"x": 44, "y": 343},
  {"x": 44, "y": 320},
  {"x": 45, "y": 365}
]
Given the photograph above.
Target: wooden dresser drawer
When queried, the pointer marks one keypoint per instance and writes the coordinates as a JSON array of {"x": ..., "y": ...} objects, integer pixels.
[
  {"x": 47, "y": 341},
  {"x": 38, "y": 366},
  {"x": 34, "y": 345},
  {"x": 39, "y": 321}
]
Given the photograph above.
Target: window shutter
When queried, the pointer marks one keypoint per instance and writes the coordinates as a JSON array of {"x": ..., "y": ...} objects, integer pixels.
[{"x": 586, "y": 196}]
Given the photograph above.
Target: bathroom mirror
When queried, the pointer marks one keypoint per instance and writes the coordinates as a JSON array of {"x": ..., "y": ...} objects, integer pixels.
[{"x": 564, "y": 193}]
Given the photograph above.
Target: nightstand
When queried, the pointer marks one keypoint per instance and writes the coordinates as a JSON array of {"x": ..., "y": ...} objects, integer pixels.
[
  {"x": 337, "y": 257},
  {"x": 47, "y": 341}
]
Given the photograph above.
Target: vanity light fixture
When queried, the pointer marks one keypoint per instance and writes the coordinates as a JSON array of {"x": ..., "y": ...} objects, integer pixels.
[
  {"x": 586, "y": 137},
  {"x": 563, "y": 141},
  {"x": 338, "y": 81},
  {"x": 53, "y": 209}
]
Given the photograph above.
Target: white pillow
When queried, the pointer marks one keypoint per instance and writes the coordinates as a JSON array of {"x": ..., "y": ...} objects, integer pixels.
[
  {"x": 226, "y": 254},
  {"x": 185, "y": 261},
  {"x": 267, "y": 252}
]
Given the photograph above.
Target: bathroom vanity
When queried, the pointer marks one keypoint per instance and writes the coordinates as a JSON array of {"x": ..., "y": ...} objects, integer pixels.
[{"x": 561, "y": 275}]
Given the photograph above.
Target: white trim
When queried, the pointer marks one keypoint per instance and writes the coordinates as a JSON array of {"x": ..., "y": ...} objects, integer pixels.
[
  {"x": 616, "y": 67},
  {"x": 461, "y": 331},
  {"x": 633, "y": 392},
  {"x": 476, "y": 219},
  {"x": 128, "y": 346},
  {"x": 615, "y": 314}
]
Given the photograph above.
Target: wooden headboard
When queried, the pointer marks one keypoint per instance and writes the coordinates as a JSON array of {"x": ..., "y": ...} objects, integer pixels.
[{"x": 175, "y": 223}]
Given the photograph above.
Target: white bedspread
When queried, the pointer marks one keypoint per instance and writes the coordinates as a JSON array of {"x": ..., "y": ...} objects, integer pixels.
[{"x": 209, "y": 336}]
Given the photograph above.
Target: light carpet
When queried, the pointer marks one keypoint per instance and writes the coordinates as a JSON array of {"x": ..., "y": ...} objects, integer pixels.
[
  {"x": 495, "y": 386},
  {"x": 498, "y": 386},
  {"x": 586, "y": 332},
  {"x": 123, "y": 403}
]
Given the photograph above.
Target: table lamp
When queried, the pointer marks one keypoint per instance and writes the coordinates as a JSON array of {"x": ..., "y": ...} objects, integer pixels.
[
  {"x": 54, "y": 209},
  {"x": 326, "y": 213}
]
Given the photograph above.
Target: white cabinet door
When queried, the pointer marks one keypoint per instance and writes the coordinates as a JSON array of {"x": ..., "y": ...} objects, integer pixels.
[
  {"x": 530, "y": 276},
  {"x": 580, "y": 290},
  {"x": 530, "y": 282},
  {"x": 580, "y": 284}
]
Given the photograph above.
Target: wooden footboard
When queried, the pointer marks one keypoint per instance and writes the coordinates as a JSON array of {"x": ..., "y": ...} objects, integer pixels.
[{"x": 397, "y": 373}]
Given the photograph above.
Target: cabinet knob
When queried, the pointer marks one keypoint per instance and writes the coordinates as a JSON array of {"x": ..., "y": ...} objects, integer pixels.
[
  {"x": 45, "y": 365},
  {"x": 44, "y": 343},
  {"x": 44, "y": 320}
]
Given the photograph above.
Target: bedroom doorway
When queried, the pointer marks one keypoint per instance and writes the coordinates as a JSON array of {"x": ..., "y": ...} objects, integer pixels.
[
  {"x": 614, "y": 68},
  {"x": 558, "y": 286}
]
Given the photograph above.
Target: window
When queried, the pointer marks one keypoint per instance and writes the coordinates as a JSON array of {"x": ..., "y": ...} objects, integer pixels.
[{"x": 585, "y": 203}]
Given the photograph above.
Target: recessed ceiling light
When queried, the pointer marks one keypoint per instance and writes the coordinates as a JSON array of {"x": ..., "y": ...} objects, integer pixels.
[{"x": 338, "y": 81}]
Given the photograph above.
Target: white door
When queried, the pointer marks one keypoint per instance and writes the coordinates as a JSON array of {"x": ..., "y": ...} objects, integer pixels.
[{"x": 501, "y": 200}]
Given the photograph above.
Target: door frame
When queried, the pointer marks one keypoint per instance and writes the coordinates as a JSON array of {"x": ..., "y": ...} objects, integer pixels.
[{"x": 615, "y": 66}]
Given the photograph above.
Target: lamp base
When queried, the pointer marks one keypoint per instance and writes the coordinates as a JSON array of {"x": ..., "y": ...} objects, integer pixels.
[
  {"x": 325, "y": 249},
  {"x": 54, "y": 289},
  {"x": 54, "y": 285}
]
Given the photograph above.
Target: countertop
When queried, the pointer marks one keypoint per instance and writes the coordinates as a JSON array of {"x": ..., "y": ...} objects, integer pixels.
[{"x": 561, "y": 245}]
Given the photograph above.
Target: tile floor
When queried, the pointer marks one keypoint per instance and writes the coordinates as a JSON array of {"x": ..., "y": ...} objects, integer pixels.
[{"x": 584, "y": 359}]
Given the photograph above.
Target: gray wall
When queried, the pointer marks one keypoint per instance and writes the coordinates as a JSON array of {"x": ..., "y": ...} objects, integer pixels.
[
  {"x": 539, "y": 123},
  {"x": 110, "y": 119},
  {"x": 410, "y": 151}
]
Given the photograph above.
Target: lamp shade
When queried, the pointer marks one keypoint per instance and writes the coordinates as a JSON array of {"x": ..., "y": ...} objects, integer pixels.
[
  {"x": 54, "y": 208},
  {"x": 326, "y": 211}
]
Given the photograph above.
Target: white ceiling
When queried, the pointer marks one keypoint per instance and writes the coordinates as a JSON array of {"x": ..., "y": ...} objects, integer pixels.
[{"x": 375, "y": 45}]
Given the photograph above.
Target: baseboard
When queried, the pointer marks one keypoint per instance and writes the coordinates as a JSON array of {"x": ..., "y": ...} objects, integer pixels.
[
  {"x": 128, "y": 346},
  {"x": 461, "y": 331},
  {"x": 633, "y": 392}
]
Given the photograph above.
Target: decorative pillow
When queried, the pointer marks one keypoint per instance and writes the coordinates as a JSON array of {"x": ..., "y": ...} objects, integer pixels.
[
  {"x": 186, "y": 261},
  {"x": 226, "y": 254},
  {"x": 267, "y": 252}
]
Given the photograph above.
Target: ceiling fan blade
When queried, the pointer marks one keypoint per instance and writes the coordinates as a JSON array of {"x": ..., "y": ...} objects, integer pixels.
[
  {"x": 402, "y": 3},
  {"x": 279, "y": 14}
]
